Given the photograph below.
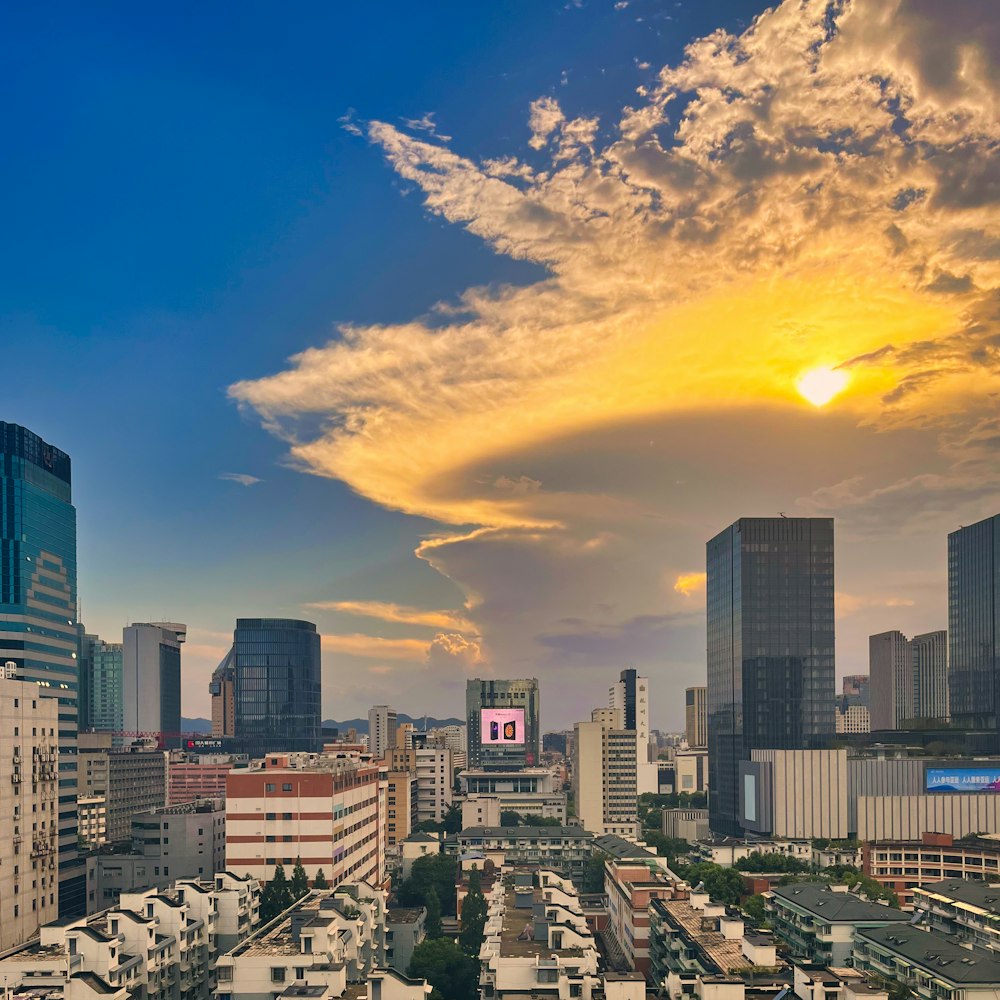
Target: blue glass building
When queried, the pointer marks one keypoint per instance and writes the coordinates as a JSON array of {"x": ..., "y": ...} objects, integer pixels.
[
  {"x": 974, "y": 624},
  {"x": 277, "y": 688},
  {"x": 771, "y": 667},
  {"x": 38, "y": 627},
  {"x": 102, "y": 699}
]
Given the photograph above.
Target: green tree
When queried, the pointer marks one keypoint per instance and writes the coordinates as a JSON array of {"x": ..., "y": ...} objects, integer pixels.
[
  {"x": 724, "y": 885},
  {"x": 533, "y": 819},
  {"x": 300, "y": 881},
  {"x": 753, "y": 907},
  {"x": 432, "y": 922},
  {"x": 276, "y": 897},
  {"x": 473, "y": 917},
  {"x": 452, "y": 822},
  {"x": 447, "y": 968},
  {"x": 593, "y": 872},
  {"x": 432, "y": 870},
  {"x": 319, "y": 882},
  {"x": 510, "y": 818},
  {"x": 666, "y": 847}
]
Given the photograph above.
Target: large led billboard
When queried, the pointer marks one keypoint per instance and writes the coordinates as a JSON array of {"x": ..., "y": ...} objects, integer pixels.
[
  {"x": 502, "y": 725},
  {"x": 963, "y": 779}
]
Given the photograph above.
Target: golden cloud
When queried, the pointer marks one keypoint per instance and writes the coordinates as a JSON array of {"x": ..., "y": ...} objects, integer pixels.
[
  {"x": 690, "y": 583},
  {"x": 401, "y": 613},
  {"x": 377, "y": 647}
]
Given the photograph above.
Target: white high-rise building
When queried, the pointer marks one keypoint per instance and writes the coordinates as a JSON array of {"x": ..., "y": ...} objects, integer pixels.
[
  {"x": 381, "y": 730},
  {"x": 151, "y": 680},
  {"x": 605, "y": 786},
  {"x": 434, "y": 783}
]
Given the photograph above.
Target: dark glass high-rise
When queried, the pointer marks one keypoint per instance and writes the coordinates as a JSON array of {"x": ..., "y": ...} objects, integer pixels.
[
  {"x": 974, "y": 624},
  {"x": 771, "y": 663},
  {"x": 277, "y": 696},
  {"x": 38, "y": 627}
]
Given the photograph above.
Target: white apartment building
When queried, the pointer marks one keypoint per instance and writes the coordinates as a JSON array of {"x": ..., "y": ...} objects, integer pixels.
[
  {"x": 530, "y": 791},
  {"x": 155, "y": 945},
  {"x": 29, "y": 796},
  {"x": 381, "y": 730},
  {"x": 604, "y": 774},
  {"x": 327, "y": 945},
  {"x": 536, "y": 941},
  {"x": 323, "y": 809},
  {"x": 434, "y": 783}
]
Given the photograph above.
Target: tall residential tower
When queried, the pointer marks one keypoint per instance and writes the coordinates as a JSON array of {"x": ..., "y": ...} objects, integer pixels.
[{"x": 771, "y": 668}]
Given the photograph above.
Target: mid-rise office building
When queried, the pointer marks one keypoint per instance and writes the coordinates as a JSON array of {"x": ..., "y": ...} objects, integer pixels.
[
  {"x": 276, "y": 686},
  {"x": 381, "y": 730},
  {"x": 974, "y": 624},
  {"x": 317, "y": 808},
  {"x": 401, "y": 807},
  {"x": 696, "y": 717},
  {"x": 197, "y": 776},
  {"x": 29, "y": 790},
  {"x": 850, "y": 717},
  {"x": 563, "y": 849},
  {"x": 130, "y": 780},
  {"x": 771, "y": 664},
  {"x": 502, "y": 718},
  {"x": 531, "y": 791},
  {"x": 604, "y": 774},
  {"x": 890, "y": 665},
  {"x": 930, "y": 675},
  {"x": 152, "y": 681},
  {"x": 38, "y": 595}
]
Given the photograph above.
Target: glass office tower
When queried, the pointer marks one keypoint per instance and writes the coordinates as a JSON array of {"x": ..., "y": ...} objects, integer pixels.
[
  {"x": 770, "y": 648},
  {"x": 276, "y": 686},
  {"x": 38, "y": 628},
  {"x": 974, "y": 624},
  {"x": 102, "y": 698}
]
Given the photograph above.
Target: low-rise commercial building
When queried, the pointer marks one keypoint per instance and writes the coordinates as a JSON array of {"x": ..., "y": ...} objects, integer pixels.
[
  {"x": 533, "y": 791},
  {"x": 563, "y": 849},
  {"x": 170, "y": 843},
  {"x": 321, "y": 809},
  {"x": 685, "y": 824},
  {"x": 818, "y": 923},
  {"x": 902, "y": 865},
  {"x": 928, "y": 965},
  {"x": 198, "y": 776}
]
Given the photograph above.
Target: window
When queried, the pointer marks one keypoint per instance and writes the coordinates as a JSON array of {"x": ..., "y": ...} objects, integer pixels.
[
  {"x": 269, "y": 787},
  {"x": 286, "y": 786},
  {"x": 277, "y": 974}
]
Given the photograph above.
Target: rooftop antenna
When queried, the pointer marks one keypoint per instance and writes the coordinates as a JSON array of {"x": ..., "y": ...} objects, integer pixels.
[{"x": 781, "y": 513}]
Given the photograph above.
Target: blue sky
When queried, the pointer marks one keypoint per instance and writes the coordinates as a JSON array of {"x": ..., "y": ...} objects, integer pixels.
[{"x": 185, "y": 210}]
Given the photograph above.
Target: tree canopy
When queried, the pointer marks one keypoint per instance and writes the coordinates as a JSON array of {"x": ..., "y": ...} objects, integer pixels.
[
  {"x": 435, "y": 871},
  {"x": 447, "y": 968}
]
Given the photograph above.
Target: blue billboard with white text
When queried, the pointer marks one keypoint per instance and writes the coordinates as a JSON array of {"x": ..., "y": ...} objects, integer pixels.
[{"x": 963, "y": 779}]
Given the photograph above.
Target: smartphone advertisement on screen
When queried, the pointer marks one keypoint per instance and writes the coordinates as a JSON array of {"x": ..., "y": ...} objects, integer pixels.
[{"x": 502, "y": 725}]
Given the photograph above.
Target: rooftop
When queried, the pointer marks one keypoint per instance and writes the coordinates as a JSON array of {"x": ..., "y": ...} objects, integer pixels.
[
  {"x": 972, "y": 893},
  {"x": 404, "y": 914},
  {"x": 619, "y": 847},
  {"x": 526, "y": 832},
  {"x": 820, "y": 900},
  {"x": 935, "y": 954},
  {"x": 517, "y": 937},
  {"x": 725, "y": 953}
]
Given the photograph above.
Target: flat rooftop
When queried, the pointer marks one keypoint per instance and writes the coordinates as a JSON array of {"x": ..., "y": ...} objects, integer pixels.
[
  {"x": 526, "y": 832},
  {"x": 725, "y": 953},
  {"x": 277, "y": 938},
  {"x": 517, "y": 935}
]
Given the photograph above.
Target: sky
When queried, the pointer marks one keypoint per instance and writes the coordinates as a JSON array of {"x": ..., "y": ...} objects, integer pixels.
[{"x": 459, "y": 328}]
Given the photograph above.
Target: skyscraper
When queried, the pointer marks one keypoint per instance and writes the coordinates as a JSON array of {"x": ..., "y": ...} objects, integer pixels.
[
  {"x": 38, "y": 628},
  {"x": 890, "y": 666},
  {"x": 930, "y": 675},
  {"x": 276, "y": 686},
  {"x": 630, "y": 693},
  {"x": 152, "y": 680},
  {"x": 605, "y": 787},
  {"x": 974, "y": 624},
  {"x": 771, "y": 665},
  {"x": 695, "y": 719},
  {"x": 102, "y": 686},
  {"x": 503, "y": 721},
  {"x": 223, "y": 690}
]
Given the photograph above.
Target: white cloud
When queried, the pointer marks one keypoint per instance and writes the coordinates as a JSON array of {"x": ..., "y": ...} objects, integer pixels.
[{"x": 240, "y": 477}]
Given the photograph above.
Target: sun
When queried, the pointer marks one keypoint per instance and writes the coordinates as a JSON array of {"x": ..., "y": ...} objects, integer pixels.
[{"x": 820, "y": 385}]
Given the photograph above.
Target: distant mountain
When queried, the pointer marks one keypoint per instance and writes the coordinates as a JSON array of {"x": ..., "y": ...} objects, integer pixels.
[
  {"x": 361, "y": 725},
  {"x": 196, "y": 725}
]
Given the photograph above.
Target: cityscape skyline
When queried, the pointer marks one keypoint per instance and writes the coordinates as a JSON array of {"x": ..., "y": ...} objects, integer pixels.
[{"x": 560, "y": 438}]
